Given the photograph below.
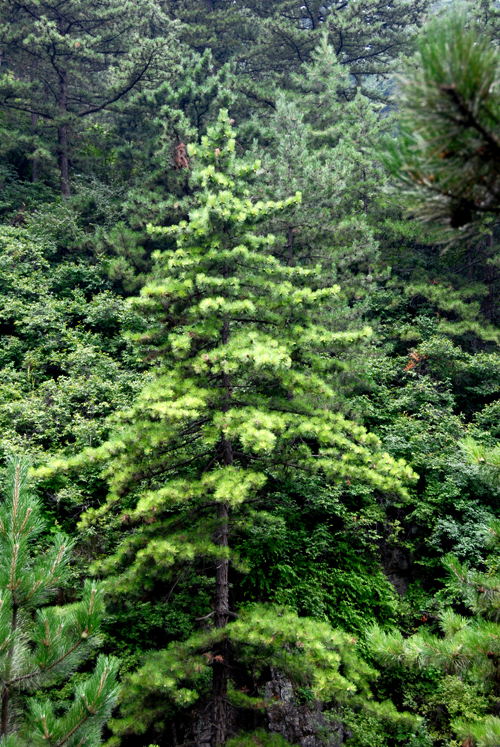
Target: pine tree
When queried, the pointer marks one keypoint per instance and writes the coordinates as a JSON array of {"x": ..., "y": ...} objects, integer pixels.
[
  {"x": 272, "y": 41},
  {"x": 323, "y": 146},
  {"x": 41, "y": 646},
  {"x": 317, "y": 660},
  {"x": 172, "y": 108},
  {"x": 485, "y": 455},
  {"x": 242, "y": 394},
  {"x": 65, "y": 62},
  {"x": 449, "y": 146}
]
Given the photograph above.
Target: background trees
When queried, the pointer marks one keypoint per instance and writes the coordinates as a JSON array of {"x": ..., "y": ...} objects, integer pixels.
[
  {"x": 63, "y": 62},
  {"x": 246, "y": 431}
]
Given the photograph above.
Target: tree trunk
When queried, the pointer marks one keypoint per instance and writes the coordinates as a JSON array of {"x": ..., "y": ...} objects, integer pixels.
[
  {"x": 62, "y": 135},
  {"x": 365, "y": 196},
  {"x": 34, "y": 161},
  {"x": 490, "y": 281},
  {"x": 34, "y": 125},
  {"x": 4, "y": 724},
  {"x": 221, "y": 652},
  {"x": 290, "y": 246}
]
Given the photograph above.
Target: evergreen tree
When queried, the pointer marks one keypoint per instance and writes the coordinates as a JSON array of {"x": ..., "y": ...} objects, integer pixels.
[
  {"x": 449, "y": 147},
  {"x": 323, "y": 147},
  {"x": 64, "y": 62},
  {"x": 242, "y": 395},
  {"x": 270, "y": 42},
  {"x": 316, "y": 659},
  {"x": 485, "y": 455},
  {"x": 41, "y": 646},
  {"x": 147, "y": 144}
]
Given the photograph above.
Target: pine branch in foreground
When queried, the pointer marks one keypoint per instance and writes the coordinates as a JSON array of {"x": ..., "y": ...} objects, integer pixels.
[
  {"x": 448, "y": 149},
  {"x": 41, "y": 646}
]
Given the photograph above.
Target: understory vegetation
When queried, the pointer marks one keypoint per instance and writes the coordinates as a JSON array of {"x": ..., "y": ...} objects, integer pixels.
[{"x": 250, "y": 357}]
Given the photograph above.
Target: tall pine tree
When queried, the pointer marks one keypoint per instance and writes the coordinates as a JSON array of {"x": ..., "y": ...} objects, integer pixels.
[{"x": 242, "y": 394}]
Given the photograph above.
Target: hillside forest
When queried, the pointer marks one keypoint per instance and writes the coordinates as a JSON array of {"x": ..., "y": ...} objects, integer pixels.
[{"x": 250, "y": 373}]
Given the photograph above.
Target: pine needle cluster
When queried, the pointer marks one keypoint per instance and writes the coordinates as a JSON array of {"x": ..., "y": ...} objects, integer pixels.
[{"x": 449, "y": 144}]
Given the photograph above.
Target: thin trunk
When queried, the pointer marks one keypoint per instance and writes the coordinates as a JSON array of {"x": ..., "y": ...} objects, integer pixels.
[
  {"x": 34, "y": 127},
  {"x": 290, "y": 245},
  {"x": 365, "y": 196},
  {"x": 220, "y": 654},
  {"x": 490, "y": 281},
  {"x": 34, "y": 161},
  {"x": 62, "y": 135},
  {"x": 6, "y": 693},
  {"x": 469, "y": 265}
]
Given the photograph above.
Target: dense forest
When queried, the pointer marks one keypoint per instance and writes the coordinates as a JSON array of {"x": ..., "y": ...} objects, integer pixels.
[{"x": 250, "y": 391}]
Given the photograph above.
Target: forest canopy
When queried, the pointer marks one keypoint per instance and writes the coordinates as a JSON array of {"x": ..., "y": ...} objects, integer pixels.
[{"x": 250, "y": 391}]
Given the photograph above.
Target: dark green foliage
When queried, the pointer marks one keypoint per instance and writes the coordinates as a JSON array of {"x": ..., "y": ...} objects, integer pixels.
[
  {"x": 466, "y": 649},
  {"x": 319, "y": 555},
  {"x": 450, "y": 117},
  {"x": 295, "y": 338},
  {"x": 65, "y": 364}
]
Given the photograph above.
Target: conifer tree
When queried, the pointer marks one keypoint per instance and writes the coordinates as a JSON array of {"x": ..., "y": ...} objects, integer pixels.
[
  {"x": 242, "y": 393},
  {"x": 485, "y": 456},
  {"x": 63, "y": 63},
  {"x": 272, "y": 41},
  {"x": 324, "y": 147},
  {"x": 41, "y": 646},
  {"x": 316, "y": 659},
  {"x": 448, "y": 150}
]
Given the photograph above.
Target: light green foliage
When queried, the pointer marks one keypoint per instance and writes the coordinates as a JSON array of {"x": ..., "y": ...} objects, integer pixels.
[
  {"x": 485, "y": 456},
  {"x": 485, "y": 732},
  {"x": 40, "y": 645},
  {"x": 279, "y": 402},
  {"x": 374, "y": 728},
  {"x": 62, "y": 359},
  {"x": 247, "y": 354},
  {"x": 258, "y": 738},
  {"x": 312, "y": 655},
  {"x": 462, "y": 647}
]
